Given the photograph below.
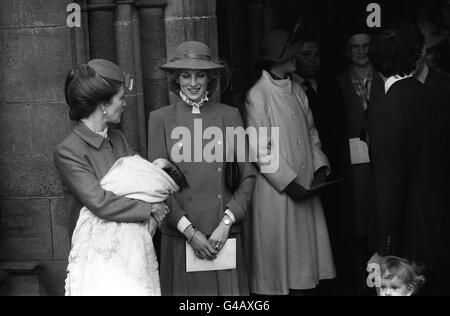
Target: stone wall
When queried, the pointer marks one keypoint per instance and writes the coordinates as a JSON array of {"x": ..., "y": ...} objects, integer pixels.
[{"x": 36, "y": 51}]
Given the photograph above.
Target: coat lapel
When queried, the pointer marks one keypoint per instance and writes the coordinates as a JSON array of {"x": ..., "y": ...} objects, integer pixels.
[{"x": 210, "y": 116}]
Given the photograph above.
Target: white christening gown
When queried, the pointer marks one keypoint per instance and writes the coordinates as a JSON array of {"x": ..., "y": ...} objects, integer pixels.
[{"x": 118, "y": 259}]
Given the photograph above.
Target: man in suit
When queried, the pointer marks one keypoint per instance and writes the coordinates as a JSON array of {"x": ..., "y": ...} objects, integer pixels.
[
  {"x": 410, "y": 143},
  {"x": 324, "y": 99}
]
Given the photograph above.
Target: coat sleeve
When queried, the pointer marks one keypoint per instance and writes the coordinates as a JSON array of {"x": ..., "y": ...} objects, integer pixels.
[
  {"x": 157, "y": 148},
  {"x": 319, "y": 158},
  {"x": 240, "y": 200},
  {"x": 262, "y": 149},
  {"x": 79, "y": 178}
]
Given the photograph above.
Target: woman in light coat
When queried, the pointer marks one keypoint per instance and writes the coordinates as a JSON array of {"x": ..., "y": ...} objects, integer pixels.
[{"x": 288, "y": 237}]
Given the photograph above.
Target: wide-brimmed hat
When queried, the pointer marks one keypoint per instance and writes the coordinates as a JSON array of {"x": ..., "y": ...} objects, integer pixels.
[
  {"x": 106, "y": 69},
  {"x": 192, "y": 55},
  {"x": 277, "y": 47},
  {"x": 433, "y": 35}
]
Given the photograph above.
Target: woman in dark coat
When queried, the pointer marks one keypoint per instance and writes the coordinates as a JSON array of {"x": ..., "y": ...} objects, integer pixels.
[{"x": 208, "y": 213}]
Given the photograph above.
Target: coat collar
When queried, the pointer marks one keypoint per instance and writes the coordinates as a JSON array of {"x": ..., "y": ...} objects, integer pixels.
[
  {"x": 88, "y": 136},
  {"x": 282, "y": 84},
  {"x": 208, "y": 108}
]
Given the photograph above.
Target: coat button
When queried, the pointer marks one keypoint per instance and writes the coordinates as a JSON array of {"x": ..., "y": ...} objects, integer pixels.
[
  {"x": 219, "y": 196},
  {"x": 294, "y": 117},
  {"x": 299, "y": 142},
  {"x": 219, "y": 169}
]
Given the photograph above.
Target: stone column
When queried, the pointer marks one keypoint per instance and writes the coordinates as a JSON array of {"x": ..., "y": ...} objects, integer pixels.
[
  {"x": 191, "y": 20},
  {"x": 101, "y": 29},
  {"x": 232, "y": 38},
  {"x": 128, "y": 55},
  {"x": 153, "y": 40},
  {"x": 37, "y": 48},
  {"x": 255, "y": 31}
]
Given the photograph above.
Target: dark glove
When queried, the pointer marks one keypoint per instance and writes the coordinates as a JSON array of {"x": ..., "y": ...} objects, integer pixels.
[
  {"x": 320, "y": 177},
  {"x": 297, "y": 192}
]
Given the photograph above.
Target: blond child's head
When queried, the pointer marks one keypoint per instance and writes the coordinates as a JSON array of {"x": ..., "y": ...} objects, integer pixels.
[{"x": 400, "y": 277}]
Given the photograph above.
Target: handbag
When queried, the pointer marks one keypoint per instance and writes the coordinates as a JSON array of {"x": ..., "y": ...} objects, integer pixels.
[{"x": 232, "y": 176}]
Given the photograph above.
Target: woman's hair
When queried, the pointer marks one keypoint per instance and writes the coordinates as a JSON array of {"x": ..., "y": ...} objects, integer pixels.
[
  {"x": 406, "y": 271},
  {"x": 213, "y": 75},
  {"x": 396, "y": 50},
  {"x": 85, "y": 90}
]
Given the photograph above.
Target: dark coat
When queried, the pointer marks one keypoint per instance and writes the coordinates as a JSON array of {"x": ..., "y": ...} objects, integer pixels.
[
  {"x": 82, "y": 160},
  {"x": 356, "y": 118},
  {"x": 410, "y": 145},
  {"x": 360, "y": 177},
  {"x": 203, "y": 203},
  {"x": 329, "y": 117}
]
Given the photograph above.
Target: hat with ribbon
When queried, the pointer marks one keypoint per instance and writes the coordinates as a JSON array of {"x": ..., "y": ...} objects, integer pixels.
[
  {"x": 197, "y": 56},
  {"x": 433, "y": 35},
  {"x": 192, "y": 55},
  {"x": 109, "y": 70}
]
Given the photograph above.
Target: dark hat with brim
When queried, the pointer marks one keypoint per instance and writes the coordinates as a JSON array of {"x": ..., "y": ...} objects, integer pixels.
[
  {"x": 192, "y": 56},
  {"x": 109, "y": 70},
  {"x": 276, "y": 47}
]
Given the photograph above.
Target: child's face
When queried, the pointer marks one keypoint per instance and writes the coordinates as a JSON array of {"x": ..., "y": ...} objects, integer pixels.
[{"x": 394, "y": 287}]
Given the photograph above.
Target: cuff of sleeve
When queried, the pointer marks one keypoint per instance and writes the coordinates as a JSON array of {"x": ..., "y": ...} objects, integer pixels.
[
  {"x": 230, "y": 214},
  {"x": 321, "y": 164},
  {"x": 281, "y": 180},
  {"x": 238, "y": 213},
  {"x": 183, "y": 224}
]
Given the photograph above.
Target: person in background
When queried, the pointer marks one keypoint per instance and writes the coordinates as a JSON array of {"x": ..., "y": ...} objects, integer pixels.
[
  {"x": 445, "y": 25},
  {"x": 325, "y": 102},
  {"x": 359, "y": 85},
  {"x": 400, "y": 277},
  {"x": 410, "y": 152},
  {"x": 435, "y": 41},
  {"x": 289, "y": 245}
]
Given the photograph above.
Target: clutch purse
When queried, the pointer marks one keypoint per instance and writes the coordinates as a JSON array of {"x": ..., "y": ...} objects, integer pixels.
[{"x": 232, "y": 176}]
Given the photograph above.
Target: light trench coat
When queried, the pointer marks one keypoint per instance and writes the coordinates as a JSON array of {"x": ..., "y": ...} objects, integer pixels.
[{"x": 288, "y": 242}]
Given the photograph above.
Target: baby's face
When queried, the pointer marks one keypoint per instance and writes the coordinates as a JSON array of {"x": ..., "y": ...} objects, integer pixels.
[{"x": 394, "y": 287}]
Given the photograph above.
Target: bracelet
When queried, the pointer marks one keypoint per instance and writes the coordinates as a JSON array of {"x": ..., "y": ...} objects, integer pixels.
[{"x": 192, "y": 236}]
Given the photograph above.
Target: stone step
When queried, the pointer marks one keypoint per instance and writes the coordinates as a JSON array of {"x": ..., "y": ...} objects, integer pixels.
[
  {"x": 22, "y": 279},
  {"x": 3, "y": 277}
]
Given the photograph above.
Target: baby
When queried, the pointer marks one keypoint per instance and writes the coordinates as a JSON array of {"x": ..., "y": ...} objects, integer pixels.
[
  {"x": 400, "y": 277},
  {"x": 173, "y": 171}
]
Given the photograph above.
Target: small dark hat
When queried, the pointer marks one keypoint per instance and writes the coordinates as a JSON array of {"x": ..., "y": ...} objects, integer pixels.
[{"x": 109, "y": 70}]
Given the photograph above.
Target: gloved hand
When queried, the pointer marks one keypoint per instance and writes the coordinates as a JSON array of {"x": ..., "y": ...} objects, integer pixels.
[
  {"x": 320, "y": 177},
  {"x": 297, "y": 192}
]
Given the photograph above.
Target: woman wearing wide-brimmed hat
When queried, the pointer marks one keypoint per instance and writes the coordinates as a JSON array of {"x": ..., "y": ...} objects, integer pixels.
[
  {"x": 208, "y": 213},
  {"x": 290, "y": 247}
]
